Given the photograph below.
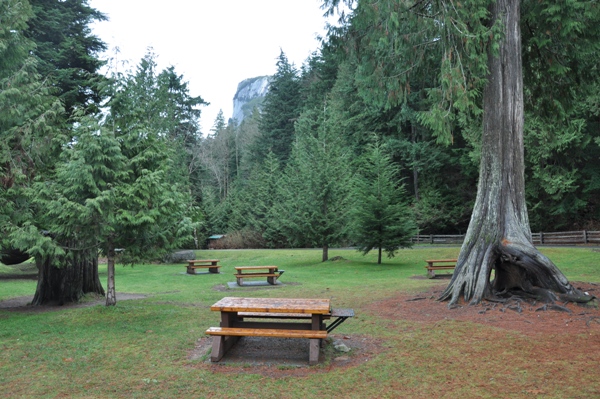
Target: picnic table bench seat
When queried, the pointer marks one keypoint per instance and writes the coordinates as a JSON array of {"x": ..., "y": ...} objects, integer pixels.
[
  {"x": 211, "y": 264},
  {"x": 439, "y": 264},
  {"x": 221, "y": 334},
  {"x": 264, "y": 332}
]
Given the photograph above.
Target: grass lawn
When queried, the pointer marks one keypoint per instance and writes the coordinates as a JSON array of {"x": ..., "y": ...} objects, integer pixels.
[{"x": 141, "y": 348}]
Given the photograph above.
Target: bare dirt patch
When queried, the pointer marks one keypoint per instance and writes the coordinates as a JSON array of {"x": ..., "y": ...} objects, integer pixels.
[
  {"x": 22, "y": 304},
  {"x": 282, "y": 357},
  {"x": 525, "y": 317}
]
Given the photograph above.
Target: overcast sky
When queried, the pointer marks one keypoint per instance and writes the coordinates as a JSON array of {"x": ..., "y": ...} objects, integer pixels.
[{"x": 214, "y": 44}]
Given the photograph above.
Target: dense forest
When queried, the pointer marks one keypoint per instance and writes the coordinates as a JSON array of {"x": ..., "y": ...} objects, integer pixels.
[
  {"x": 376, "y": 137},
  {"x": 369, "y": 83}
]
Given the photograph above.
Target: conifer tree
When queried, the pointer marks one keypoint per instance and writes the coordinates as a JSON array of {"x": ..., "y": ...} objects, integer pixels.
[
  {"x": 281, "y": 108},
  {"x": 68, "y": 52},
  {"x": 316, "y": 186},
  {"x": 381, "y": 218},
  {"x": 28, "y": 115}
]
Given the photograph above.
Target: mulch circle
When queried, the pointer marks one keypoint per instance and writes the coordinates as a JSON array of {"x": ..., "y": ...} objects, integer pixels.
[{"x": 529, "y": 318}]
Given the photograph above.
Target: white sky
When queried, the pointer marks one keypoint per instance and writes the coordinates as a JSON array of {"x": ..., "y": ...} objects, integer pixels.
[{"x": 214, "y": 44}]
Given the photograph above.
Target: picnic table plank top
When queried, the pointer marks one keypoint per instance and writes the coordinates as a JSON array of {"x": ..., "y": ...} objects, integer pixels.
[
  {"x": 273, "y": 305},
  {"x": 254, "y": 267}
]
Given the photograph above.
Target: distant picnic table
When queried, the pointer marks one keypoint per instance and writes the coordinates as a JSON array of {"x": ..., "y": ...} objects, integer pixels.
[
  {"x": 272, "y": 273},
  {"x": 211, "y": 264},
  {"x": 439, "y": 264}
]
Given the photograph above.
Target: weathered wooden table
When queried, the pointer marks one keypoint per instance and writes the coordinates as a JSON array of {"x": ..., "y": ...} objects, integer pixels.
[
  {"x": 211, "y": 264},
  {"x": 234, "y": 326},
  {"x": 439, "y": 264},
  {"x": 272, "y": 273}
]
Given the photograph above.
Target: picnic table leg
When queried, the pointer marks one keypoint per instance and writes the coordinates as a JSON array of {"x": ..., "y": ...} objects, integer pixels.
[
  {"x": 221, "y": 344},
  {"x": 213, "y": 270},
  {"x": 430, "y": 272},
  {"x": 272, "y": 280},
  {"x": 315, "y": 344},
  {"x": 218, "y": 348},
  {"x": 191, "y": 270},
  {"x": 313, "y": 353}
]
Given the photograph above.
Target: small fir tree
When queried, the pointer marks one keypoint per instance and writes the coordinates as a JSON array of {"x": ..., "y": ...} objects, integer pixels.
[
  {"x": 316, "y": 185},
  {"x": 381, "y": 218}
]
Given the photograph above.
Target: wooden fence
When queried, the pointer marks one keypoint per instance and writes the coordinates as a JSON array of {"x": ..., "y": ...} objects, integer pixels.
[{"x": 562, "y": 238}]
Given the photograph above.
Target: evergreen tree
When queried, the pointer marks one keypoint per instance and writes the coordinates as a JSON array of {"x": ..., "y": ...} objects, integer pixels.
[
  {"x": 67, "y": 50},
  {"x": 381, "y": 218},
  {"x": 153, "y": 208},
  {"x": 73, "y": 205},
  {"x": 218, "y": 156},
  {"x": 281, "y": 108},
  {"x": 100, "y": 199},
  {"x": 28, "y": 115},
  {"x": 474, "y": 49},
  {"x": 316, "y": 187},
  {"x": 180, "y": 122},
  {"x": 181, "y": 114},
  {"x": 264, "y": 195},
  {"x": 561, "y": 85}
]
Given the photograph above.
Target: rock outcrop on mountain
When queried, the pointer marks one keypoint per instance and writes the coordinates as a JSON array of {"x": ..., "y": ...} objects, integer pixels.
[{"x": 250, "y": 94}]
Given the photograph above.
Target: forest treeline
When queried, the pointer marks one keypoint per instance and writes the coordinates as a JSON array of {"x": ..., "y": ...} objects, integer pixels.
[
  {"x": 366, "y": 143},
  {"x": 370, "y": 83}
]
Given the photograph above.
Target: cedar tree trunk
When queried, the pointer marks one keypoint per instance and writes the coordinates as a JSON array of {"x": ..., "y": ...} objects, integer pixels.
[
  {"x": 76, "y": 276},
  {"x": 499, "y": 236}
]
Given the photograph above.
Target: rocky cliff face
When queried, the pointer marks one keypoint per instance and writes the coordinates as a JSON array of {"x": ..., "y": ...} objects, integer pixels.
[{"x": 250, "y": 93}]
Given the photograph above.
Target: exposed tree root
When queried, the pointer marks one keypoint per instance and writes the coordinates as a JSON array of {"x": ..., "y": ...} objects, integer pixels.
[
  {"x": 509, "y": 273},
  {"x": 515, "y": 300},
  {"x": 593, "y": 319}
]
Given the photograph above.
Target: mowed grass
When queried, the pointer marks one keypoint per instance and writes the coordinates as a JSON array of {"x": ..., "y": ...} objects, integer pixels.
[{"x": 141, "y": 348}]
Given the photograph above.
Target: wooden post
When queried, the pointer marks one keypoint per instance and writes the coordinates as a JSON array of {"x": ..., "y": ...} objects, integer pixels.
[
  {"x": 585, "y": 237},
  {"x": 541, "y": 237}
]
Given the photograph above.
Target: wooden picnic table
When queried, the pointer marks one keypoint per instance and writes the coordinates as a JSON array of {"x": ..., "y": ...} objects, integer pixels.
[
  {"x": 272, "y": 273},
  {"x": 211, "y": 264},
  {"x": 439, "y": 264},
  {"x": 233, "y": 325}
]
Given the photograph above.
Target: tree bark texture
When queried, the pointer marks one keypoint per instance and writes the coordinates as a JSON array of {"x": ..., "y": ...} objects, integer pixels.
[
  {"x": 499, "y": 236},
  {"x": 76, "y": 276},
  {"x": 111, "y": 295}
]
